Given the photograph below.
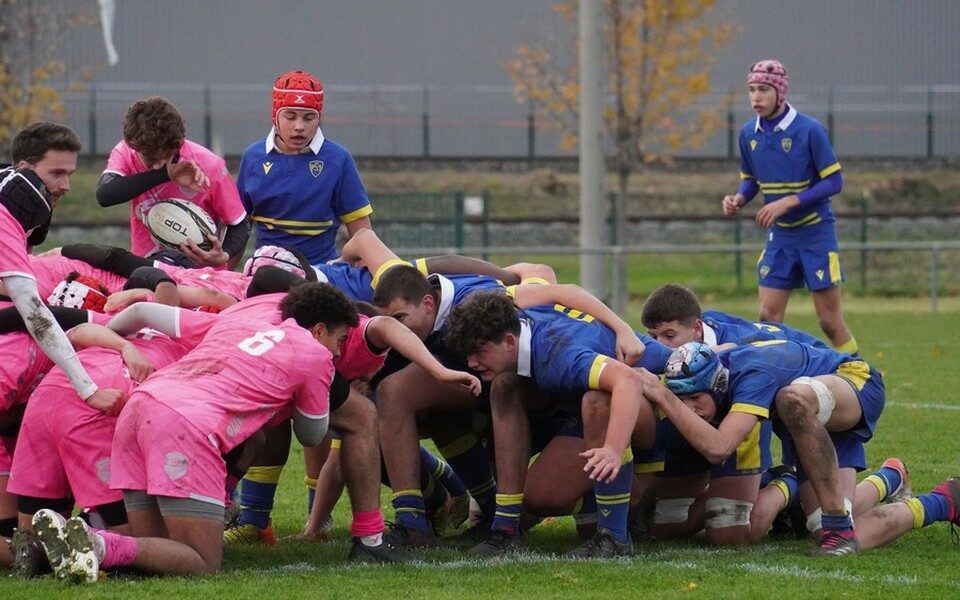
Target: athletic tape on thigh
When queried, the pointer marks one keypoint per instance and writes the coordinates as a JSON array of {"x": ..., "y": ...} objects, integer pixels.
[
  {"x": 672, "y": 510},
  {"x": 815, "y": 518},
  {"x": 726, "y": 512},
  {"x": 825, "y": 397}
]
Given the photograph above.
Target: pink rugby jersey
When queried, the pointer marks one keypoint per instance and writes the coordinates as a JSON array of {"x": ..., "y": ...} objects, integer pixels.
[
  {"x": 221, "y": 200},
  {"x": 243, "y": 373},
  {"x": 49, "y": 271},
  {"x": 13, "y": 247},
  {"x": 356, "y": 358},
  {"x": 22, "y": 365},
  {"x": 265, "y": 307},
  {"x": 106, "y": 367},
  {"x": 230, "y": 283}
]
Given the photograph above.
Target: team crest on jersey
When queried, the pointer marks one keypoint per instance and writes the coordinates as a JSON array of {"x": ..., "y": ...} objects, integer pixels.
[
  {"x": 764, "y": 271},
  {"x": 819, "y": 273},
  {"x": 316, "y": 167},
  {"x": 103, "y": 470},
  {"x": 753, "y": 144},
  {"x": 175, "y": 465},
  {"x": 786, "y": 144},
  {"x": 266, "y": 167}
]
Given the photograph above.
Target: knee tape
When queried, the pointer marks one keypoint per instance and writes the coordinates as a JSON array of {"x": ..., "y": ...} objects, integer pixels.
[
  {"x": 825, "y": 397},
  {"x": 726, "y": 512},
  {"x": 813, "y": 521},
  {"x": 671, "y": 511}
]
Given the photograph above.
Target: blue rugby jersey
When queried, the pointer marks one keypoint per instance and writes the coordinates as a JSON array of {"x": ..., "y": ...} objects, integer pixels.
[
  {"x": 759, "y": 370},
  {"x": 722, "y": 328},
  {"x": 791, "y": 158},
  {"x": 563, "y": 349},
  {"x": 300, "y": 200}
]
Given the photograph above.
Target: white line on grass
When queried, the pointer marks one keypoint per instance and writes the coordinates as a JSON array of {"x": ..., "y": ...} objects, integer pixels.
[
  {"x": 924, "y": 406},
  {"x": 806, "y": 573}
]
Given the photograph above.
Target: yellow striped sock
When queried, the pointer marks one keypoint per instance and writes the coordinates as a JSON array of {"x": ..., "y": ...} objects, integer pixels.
[
  {"x": 264, "y": 474},
  {"x": 310, "y": 482},
  {"x": 918, "y": 512},
  {"x": 880, "y": 484},
  {"x": 848, "y": 347},
  {"x": 782, "y": 486}
]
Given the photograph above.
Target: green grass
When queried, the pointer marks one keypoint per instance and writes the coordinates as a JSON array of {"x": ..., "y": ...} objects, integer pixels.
[{"x": 917, "y": 351}]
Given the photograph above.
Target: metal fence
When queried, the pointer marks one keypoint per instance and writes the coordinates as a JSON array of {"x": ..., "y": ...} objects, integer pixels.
[
  {"x": 889, "y": 254},
  {"x": 441, "y": 121}
]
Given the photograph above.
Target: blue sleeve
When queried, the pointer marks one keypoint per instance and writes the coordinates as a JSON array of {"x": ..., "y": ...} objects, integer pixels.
[
  {"x": 824, "y": 160},
  {"x": 655, "y": 355},
  {"x": 574, "y": 369},
  {"x": 350, "y": 195},
  {"x": 749, "y": 186},
  {"x": 749, "y": 189},
  {"x": 822, "y": 189}
]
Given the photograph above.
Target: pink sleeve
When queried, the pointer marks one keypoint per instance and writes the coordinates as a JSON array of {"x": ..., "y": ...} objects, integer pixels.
[
  {"x": 13, "y": 247},
  {"x": 194, "y": 326},
  {"x": 224, "y": 197},
  {"x": 119, "y": 160}
]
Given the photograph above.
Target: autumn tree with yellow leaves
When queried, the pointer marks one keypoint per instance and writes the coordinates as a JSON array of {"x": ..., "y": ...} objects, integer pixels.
[
  {"x": 33, "y": 75},
  {"x": 658, "y": 58}
]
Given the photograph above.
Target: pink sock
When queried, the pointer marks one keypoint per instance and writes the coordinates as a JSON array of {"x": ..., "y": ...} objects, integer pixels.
[
  {"x": 119, "y": 550},
  {"x": 367, "y": 523}
]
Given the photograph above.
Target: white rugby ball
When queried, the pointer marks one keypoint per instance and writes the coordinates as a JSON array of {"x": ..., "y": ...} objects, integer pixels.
[{"x": 173, "y": 221}]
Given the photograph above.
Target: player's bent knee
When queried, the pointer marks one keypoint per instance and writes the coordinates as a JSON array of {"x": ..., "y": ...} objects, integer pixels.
[
  {"x": 672, "y": 511},
  {"x": 723, "y": 513},
  {"x": 826, "y": 401}
]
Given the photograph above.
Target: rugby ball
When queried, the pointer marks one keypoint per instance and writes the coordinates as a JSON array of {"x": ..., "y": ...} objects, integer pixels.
[{"x": 173, "y": 221}]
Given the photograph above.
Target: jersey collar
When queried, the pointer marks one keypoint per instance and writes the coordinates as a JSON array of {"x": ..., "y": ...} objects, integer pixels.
[
  {"x": 523, "y": 350},
  {"x": 783, "y": 124},
  {"x": 314, "y": 145},
  {"x": 446, "y": 300},
  {"x": 709, "y": 335}
]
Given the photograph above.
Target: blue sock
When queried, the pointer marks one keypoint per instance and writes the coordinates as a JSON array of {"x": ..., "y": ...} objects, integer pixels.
[
  {"x": 442, "y": 472},
  {"x": 935, "y": 507},
  {"x": 470, "y": 462},
  {"x": 409, "y": 510},
  {"x": 886, "y": 480},
  {"x": 613, "y": 500},
  {"x": 509, "y": 507},
  {"x": 434, "y": 494},
  {"x": 311, "y": 484},
  {"x": 257, "y": 490},
  {"x": 837, "y": 522}
]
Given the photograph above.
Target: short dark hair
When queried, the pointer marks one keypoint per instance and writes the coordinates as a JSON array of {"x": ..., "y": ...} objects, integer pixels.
[
  {"x": 485, "y": 316},
  {"x": 312, "y": 302},
  {"x": 154, "y": 128},
  {"x": 402, "y": 281},
  {"x": 670, "y": 303},
  {"x": 33, "y": 141}
]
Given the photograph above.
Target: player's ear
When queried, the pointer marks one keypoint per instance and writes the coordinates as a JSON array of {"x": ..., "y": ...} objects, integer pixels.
[
  {"x": 698, "y": 328},
  {"x": 428, "y": 302},
  {"x": 318, "y": 330}
]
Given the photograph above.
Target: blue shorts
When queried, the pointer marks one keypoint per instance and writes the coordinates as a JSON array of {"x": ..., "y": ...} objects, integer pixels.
[
  {"x": 789, "y": 268},
  {"x": 543, "y": 428},
  {"x": 751, "y": 457},
  {"x": 849, "y": 447},
  {"x": 868, "y": 384}
]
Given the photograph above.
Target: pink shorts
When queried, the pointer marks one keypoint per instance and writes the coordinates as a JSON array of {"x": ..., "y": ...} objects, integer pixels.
[
  {"x": 157, "y": 450},
  {"x": 64, "y": 450},
  {"x": 7, "y": 444}
]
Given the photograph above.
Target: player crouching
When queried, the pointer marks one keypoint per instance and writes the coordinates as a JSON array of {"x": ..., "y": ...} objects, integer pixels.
[{"x": 167, "y": 452}]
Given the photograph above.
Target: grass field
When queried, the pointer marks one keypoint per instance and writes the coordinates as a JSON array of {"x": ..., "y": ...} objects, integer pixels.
[{"x": 915, "y": 349}]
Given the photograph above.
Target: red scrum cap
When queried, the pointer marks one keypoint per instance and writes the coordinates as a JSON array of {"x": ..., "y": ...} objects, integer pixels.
[
  {"x": 297, "y": 89},
  {"x": 772, "y": 73}
]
